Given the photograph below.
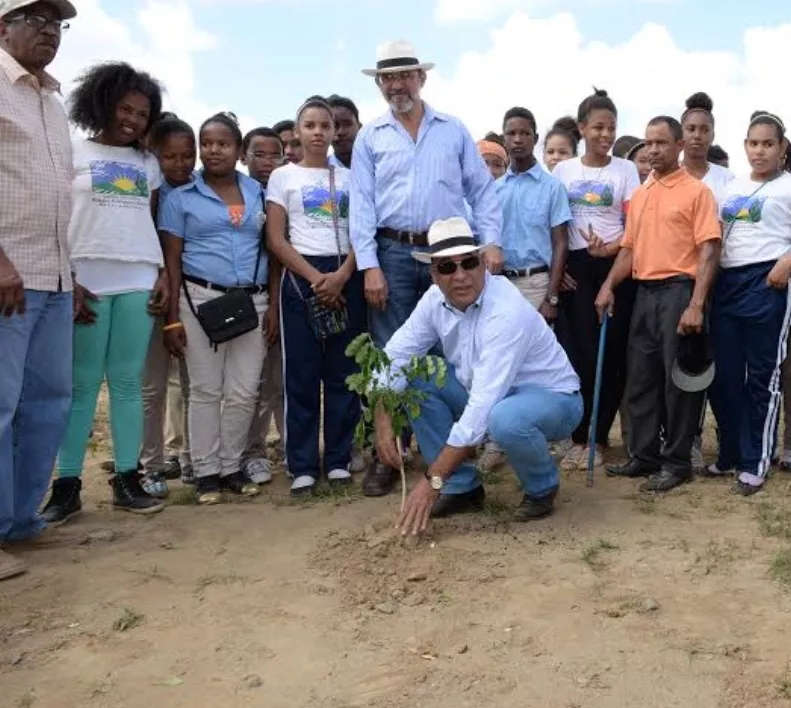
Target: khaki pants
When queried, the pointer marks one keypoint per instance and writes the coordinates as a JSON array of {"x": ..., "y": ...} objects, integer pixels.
[
  {"x": 270, "y": 403},
  {"x": 165, "y": 396},
  {"x": 533, "y": 287},
  {"x": 224, "y": 388}
]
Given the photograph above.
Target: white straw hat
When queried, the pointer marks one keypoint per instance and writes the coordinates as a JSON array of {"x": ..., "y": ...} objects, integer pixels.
[
  {"x": 451, "y": 237},
  {"x": 396, "y": 56}
]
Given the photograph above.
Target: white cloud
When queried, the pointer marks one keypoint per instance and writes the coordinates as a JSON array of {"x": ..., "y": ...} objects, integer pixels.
[
  {"x": 461, "y": 10},
  {"x": 163, "y": 41},
  {"x": 647, "y": 75}
]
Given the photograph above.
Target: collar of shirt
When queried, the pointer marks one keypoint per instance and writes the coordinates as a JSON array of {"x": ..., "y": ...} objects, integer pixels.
[
  {"x": 671, "y": 180},
  {"x": 15, "y": 71},
  {"x": 536, "y": 172},
  {"x": 429, "y": 114},
  {"x": 249, "y": 188}
]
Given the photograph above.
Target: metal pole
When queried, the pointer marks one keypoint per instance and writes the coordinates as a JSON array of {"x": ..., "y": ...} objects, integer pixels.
[{"x": 596, "y": 396}]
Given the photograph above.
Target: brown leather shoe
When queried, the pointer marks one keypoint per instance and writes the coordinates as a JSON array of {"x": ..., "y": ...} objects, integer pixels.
[
  {"x": 379, "y": 480},
  {"x": 10, "y": 566}
]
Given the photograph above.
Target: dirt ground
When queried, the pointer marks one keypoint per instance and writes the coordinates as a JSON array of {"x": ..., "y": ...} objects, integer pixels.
[{"x": 618, "y": 601}]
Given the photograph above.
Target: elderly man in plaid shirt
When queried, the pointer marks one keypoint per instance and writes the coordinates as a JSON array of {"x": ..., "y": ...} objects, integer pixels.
[{"x": 35, "y": 279}]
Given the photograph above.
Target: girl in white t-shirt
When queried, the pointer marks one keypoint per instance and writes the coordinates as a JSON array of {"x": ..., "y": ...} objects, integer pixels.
[
  {"x": 119, "y": 270},
  {"x": 599, "y": 188},
  {"x": 697, "y": 122},
  {"x": 750, "y": 312},
  {"x": 322, "y": 302}
]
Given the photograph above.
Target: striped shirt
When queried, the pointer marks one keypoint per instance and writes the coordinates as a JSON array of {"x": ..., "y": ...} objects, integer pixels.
[
  {"x": 35, "y": 177},
  {"x": 403, "y": 184}
]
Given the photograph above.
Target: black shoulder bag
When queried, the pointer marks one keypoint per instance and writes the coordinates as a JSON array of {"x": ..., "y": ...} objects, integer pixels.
[{"x": 232, "y": 314}]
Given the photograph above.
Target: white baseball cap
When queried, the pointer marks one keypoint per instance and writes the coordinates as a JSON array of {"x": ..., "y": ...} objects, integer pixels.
[{"x": 64, "y": 7}]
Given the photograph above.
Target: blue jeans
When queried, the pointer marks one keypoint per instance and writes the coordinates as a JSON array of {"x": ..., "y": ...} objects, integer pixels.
[
  {"x": 522, "y": 424},
  {"x": 35, "y": 397},
  {"x": 407, "y": 281}
]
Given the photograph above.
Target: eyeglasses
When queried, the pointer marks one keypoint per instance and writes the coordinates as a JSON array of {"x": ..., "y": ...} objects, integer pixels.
[
  {"x": 265, "y": 157},
  {"x": 39, "y": 22},
  {"x": 450, "y": 267},
  {"x": 392, "y": 77}
]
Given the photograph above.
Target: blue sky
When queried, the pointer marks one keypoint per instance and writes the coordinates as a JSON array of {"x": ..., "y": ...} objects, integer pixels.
[{"x": 261, "y": 58}]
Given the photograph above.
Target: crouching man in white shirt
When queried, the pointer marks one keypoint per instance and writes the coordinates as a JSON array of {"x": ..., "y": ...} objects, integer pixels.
[{"x": 507, "y": 375}]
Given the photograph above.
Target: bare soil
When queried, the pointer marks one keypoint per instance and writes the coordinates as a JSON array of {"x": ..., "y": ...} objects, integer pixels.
[{"x": 617, "y": 601}]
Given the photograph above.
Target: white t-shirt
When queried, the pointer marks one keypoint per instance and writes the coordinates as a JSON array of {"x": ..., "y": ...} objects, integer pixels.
[
  {"x": 717, "y": 180},
  {"x": 597, "y": 196},
  {"x": 756, "y": 221},
  {"x": 304, "y": 192},
  {"x": 113, "y": 242}
]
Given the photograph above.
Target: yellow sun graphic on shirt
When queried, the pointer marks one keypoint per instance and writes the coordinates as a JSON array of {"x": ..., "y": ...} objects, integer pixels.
[{"x": 124, "y": 184}]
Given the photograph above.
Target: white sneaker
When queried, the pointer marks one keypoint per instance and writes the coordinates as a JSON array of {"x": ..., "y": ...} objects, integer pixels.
[
  {"x": 339, "y": 477},
  {"x": 357, "y": 463},
  {"x": 302, "y": 485},
  {"x": 258, "y": 470},
  {"x": 573, "y": 459}
]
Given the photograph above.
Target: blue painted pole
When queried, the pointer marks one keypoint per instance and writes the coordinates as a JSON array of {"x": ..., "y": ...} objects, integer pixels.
[{"x": 596, "y": 396}]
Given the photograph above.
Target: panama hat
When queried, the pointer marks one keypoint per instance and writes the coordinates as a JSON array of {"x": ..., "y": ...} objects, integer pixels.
[
  {"x": 451, "y": 237},
  {"x": 396, "y": 56},
  {"x": 694, "y": 369},
  {"x": 64, "y": 7}
]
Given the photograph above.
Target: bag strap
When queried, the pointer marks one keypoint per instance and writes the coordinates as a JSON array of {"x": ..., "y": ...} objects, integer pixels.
[{"x": 335, "y": 212}]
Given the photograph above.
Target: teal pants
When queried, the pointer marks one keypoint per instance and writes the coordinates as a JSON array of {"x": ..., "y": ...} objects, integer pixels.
[{"x": 115, "y": 347}]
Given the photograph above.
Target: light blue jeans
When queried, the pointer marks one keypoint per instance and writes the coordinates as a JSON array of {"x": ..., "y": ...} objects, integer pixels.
[
  {"x": 35, "y": 397},
  {"x": 522, "y": 424}
]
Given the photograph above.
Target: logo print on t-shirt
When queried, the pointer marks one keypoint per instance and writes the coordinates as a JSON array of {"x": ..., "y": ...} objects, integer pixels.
[
  {"x": 590, "y": 193},
  {"x": 317, "y": 204},
  {"x": 741, "y": 208},
  {"x": 118, "y": 179}
]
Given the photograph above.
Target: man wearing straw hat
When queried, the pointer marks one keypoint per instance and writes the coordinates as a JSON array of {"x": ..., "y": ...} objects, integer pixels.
[
  {"x": 507, "y": 375},
  {"x": 410, "y": 167}
]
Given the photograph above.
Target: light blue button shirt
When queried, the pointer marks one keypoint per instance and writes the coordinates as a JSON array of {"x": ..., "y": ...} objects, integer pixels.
[
  {"x": 496, "y": 346},
  {"x": 533, "y": 203},
  {"x": 215, "y": 249},
  {"x": 407, "y": 185}
]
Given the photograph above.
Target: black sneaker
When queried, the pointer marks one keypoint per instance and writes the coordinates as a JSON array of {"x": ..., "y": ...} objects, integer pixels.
[
  {"x": 172, "y": 468},
  {"x": 129, "y": 495},
  {"x": 208, "y": 489},
  {"x": 237, "y": 483},
  {"x": 533, "y": 508},
  {"x": 64, "y": 501}
]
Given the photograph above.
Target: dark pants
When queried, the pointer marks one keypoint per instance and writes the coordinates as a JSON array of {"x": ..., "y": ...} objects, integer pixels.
[
  {"x": 749, "y": 328},
  {"x": 653, "y": 400},
  {"x": 407, "y": 281},
  {"x": 579, "y": 335},
  {"x": 308, "y": 362}
]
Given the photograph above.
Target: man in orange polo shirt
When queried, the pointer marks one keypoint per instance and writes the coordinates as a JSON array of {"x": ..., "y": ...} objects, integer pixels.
[{"x": 671, "y": 247}]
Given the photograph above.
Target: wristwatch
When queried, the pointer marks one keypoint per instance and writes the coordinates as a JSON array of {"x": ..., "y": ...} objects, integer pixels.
[
  {"x": 436, "y": 482},
  {"x": 552, "y": 299}
]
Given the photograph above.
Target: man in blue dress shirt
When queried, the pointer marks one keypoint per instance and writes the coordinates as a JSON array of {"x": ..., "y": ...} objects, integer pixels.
[
  {"x": 410, "y": 167},
  {"x": 507, "y": 375}
]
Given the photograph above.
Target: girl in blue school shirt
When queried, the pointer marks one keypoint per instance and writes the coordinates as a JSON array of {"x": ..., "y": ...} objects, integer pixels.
[
  {"x": 212, "y": 234},
  {"x": 307, "y": 207}
]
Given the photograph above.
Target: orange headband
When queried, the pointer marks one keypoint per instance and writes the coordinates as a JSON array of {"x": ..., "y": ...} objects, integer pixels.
[{"x": 487, "y": 147}]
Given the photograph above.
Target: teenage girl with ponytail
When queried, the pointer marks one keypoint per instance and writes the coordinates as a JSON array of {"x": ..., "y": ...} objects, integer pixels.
[
  {"x": 750, "y": 312},
  {"x": 599, "y": 188}
]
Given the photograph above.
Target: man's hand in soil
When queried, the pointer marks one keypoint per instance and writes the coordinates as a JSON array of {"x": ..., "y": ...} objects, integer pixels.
[{"x": 417, "y": 509}]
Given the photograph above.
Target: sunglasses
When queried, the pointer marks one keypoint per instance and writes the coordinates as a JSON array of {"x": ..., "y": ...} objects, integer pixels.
[{"x": 450, "y": 267}]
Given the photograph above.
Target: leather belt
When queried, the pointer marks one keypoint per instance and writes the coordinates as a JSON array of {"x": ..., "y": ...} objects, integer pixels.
[
  {"x": 413, "y": 238},
  {"x": 249, "y": 289},
  {"x": 512, "y": 273}
]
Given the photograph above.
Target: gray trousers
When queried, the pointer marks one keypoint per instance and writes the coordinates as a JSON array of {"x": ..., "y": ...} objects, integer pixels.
[{"x": 654, "y": 401}]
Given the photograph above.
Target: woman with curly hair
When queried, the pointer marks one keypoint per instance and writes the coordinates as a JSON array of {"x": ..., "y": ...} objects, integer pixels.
[{"x": 117, "y": 261}]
